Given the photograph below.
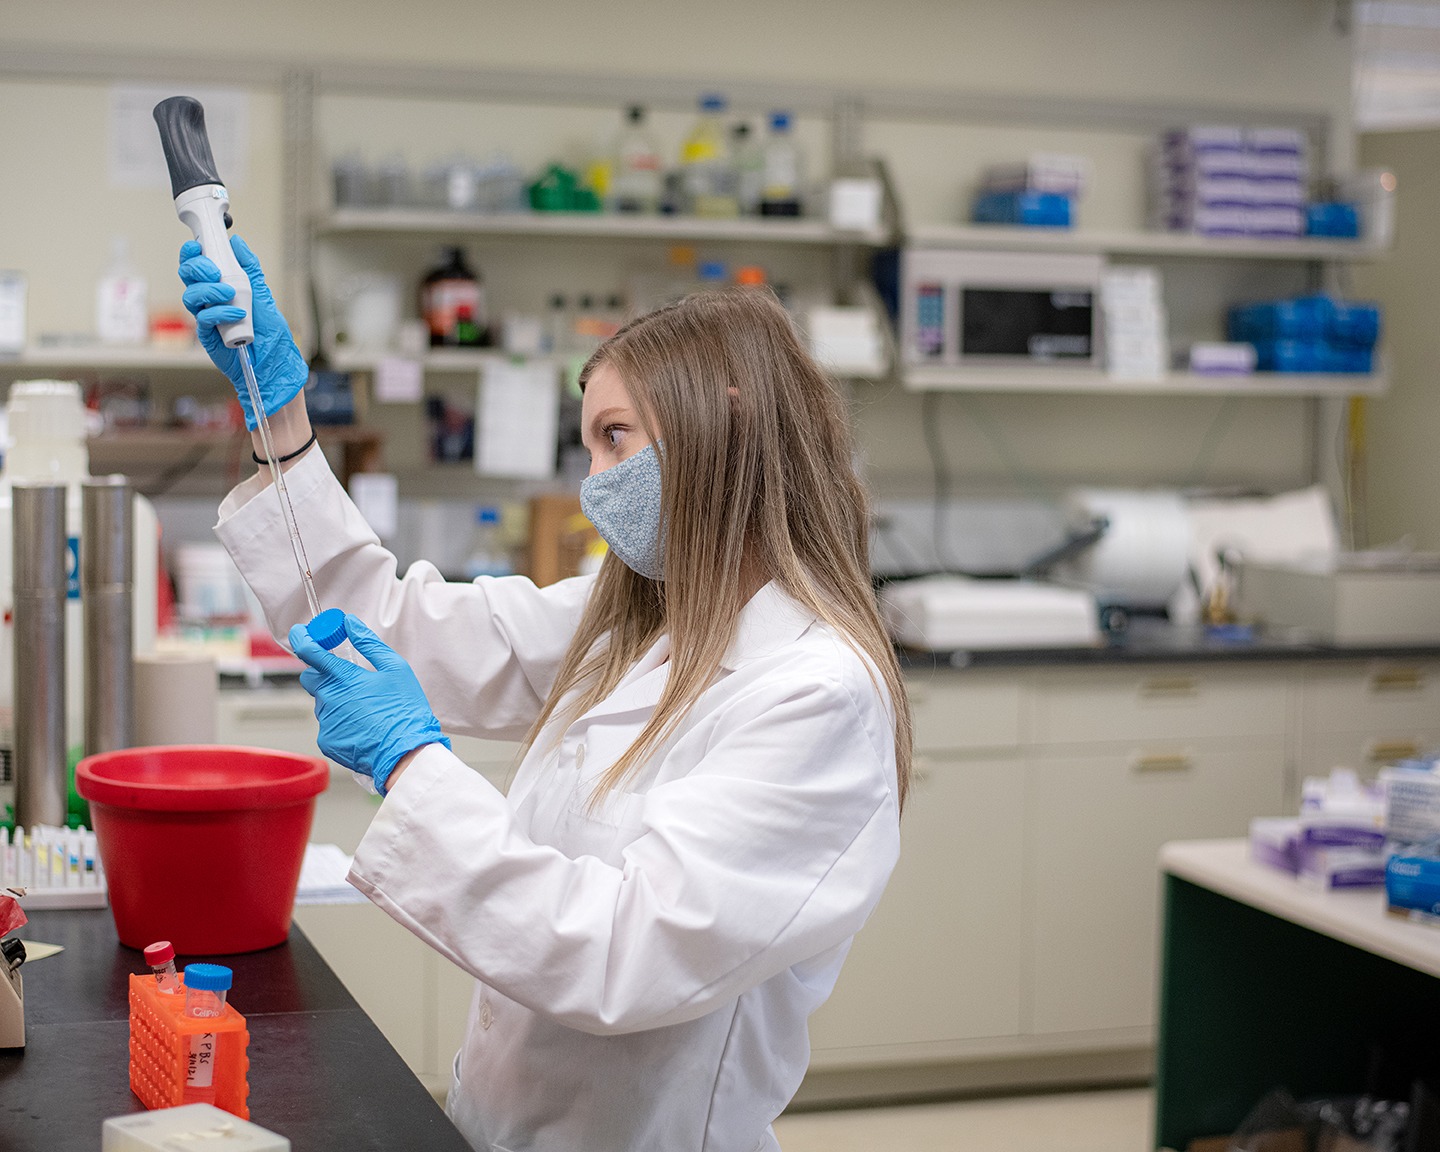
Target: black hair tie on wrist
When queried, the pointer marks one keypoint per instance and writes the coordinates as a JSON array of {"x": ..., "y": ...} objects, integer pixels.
[{"x": 314, "y": 435}]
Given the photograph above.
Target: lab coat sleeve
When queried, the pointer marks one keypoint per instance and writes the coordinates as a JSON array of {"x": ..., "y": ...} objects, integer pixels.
[
  {"x": 486, "y": 653},
  {"x": 772, "y": 850}
]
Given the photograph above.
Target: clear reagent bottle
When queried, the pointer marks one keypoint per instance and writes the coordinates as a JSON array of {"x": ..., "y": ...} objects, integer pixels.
[
  {"x": 637, "y": 167},
  {"x": 161, "y": 958},
  {"x": 784, "y": 170},
  {"x": 205, "y": 989}
]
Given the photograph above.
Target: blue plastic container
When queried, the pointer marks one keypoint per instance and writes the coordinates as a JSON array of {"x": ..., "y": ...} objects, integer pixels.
[
  {"x": 1030, "y": 209},
  {"x": 1336, "y": 220}
]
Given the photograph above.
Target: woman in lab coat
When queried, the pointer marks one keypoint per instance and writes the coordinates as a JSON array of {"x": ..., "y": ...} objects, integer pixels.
[{"x": 716, "y": 739}]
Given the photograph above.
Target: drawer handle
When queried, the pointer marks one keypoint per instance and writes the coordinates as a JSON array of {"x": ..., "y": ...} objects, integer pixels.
[
  {"x": 1389, "y": 751},
  {"x": 1164, "y": 762},
  {"x": 1170, "y": 686},
  {"x": 295, "y": 712},
  {"x": 1398, "y": 680}
]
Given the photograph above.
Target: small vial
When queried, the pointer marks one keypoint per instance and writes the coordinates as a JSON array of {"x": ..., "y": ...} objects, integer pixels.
[
  {"x": 328, "y": 630},
  {"x": 161, "y": 958},
  {"x": 205, "y": 988}
]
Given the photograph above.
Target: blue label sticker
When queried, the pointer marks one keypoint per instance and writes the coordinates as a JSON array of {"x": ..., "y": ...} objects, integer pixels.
[{"x": 72, "y": 568}]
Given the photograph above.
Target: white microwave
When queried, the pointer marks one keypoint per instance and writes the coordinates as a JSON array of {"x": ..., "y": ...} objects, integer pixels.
[{"x": 962, "y": 307}]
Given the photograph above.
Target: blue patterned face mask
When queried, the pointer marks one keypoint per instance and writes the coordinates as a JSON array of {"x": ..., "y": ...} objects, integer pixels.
[{"x": 623, "y": 502}]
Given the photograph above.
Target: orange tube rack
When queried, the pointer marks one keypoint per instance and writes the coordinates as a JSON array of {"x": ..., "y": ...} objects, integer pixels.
[{"x": 160, "y": 1045}]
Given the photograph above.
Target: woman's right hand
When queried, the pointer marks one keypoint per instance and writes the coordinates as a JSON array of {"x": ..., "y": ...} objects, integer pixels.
[{"x": 280, "y": 369}]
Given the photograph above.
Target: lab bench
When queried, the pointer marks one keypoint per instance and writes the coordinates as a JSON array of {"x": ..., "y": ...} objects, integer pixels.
[
  {"x": 321, "y": 1073},
  {"x": 1268, "y": 984}
]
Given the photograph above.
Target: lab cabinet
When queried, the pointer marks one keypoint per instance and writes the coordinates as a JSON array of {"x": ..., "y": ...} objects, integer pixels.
[
  {"x": 1096, "y": 824},
  {"x": 940, "y": 958},
  {"x": 1021, "y": 921},
  {"x": 279, "y": 718}
]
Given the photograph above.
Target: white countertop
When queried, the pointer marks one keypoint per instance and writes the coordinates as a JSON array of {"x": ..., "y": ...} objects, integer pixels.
[{"x": 1355, "y": 917}]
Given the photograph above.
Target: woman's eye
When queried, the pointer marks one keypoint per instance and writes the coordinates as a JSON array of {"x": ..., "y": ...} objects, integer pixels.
[{"x": 613, "y": 435}]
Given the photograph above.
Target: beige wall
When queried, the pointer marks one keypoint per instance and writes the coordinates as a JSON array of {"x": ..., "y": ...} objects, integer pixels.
[
  {"x": 1246, "y": 54},
  {"x": 1281, "y": 52},
  {"x": 1403, "y": 497}
]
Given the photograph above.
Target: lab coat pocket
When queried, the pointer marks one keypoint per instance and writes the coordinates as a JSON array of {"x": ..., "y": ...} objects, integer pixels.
[{"x": 602, "y": 829}]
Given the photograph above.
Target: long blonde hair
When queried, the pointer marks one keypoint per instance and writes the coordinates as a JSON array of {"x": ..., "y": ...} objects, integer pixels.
[{"x": 757, "y": 460}]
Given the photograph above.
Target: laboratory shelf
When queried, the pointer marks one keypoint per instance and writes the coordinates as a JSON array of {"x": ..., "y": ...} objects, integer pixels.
[
  {"x": 435, "y": 359},
  {"x": 1060, "y": 379},
  {"x": 100, "y": 356},
  {"x": 1141, "y": 243},
  {"x": 593, "y": 225}
]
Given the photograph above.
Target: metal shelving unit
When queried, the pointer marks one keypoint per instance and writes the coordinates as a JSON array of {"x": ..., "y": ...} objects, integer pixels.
[
  {"x": 1141, "y": 243},
  {"x": 1062, "y": 380},
  {"x": 143, "y": 358},
  {"x": 591, "y": 225}
]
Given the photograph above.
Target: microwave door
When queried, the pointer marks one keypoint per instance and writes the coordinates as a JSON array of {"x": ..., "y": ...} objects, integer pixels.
[{"x": 1015, "y": 324}]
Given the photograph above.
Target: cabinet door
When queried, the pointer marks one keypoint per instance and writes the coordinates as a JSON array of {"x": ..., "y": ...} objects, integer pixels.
[
  {"x": 386, "y": 968},
  {"x": 940, "y": 958},
  {"x": 1097, "y": 822},
  {"x": 278, "y": 718}
]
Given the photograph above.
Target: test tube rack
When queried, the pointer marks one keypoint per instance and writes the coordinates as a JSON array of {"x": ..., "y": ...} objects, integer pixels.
[
  {"x": 160, "y": 1035},
  {"x": 57, "y": 867}
]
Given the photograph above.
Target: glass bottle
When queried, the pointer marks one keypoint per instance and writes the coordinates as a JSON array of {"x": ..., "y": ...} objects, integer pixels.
[{"x": 636, "y": 179}]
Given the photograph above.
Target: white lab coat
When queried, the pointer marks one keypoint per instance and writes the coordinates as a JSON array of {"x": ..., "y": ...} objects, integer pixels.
[{"x": 645, "y": 969}]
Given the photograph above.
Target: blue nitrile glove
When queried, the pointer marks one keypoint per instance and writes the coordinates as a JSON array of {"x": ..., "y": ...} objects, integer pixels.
[
  {"x": 280, "y": 370},
  {"x": 368, "y": 720}
]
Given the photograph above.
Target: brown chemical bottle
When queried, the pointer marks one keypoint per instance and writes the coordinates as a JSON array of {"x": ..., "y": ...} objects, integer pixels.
[{"x": 452, "y": 302}]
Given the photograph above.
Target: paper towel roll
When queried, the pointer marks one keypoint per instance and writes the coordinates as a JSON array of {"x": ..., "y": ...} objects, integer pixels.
[
  {"x": 174, "y": 698},
  {"x": 1143, "y": 557}
]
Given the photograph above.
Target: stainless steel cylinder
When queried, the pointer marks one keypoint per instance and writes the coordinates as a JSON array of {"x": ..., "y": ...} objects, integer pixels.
[
  {"x": 40, "y": 581},
  {"x": 107, "y": 566}
]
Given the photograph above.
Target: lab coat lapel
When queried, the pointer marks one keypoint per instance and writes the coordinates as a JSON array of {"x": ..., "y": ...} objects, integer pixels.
[{"x": 641, "y": 687}]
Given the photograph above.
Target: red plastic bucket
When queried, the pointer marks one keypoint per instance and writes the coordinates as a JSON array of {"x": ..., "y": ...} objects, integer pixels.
[{"x": 202, "y": 843}]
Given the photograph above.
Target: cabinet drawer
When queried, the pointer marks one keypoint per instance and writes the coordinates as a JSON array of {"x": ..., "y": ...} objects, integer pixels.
[
  {"x": 282, "y": 719},
  {"x": 957, "y": 710},
  {"x": 1366, "y": 752},
  {"x": 1166, "y": 703},
  {"x": 1380, "y": 697}
]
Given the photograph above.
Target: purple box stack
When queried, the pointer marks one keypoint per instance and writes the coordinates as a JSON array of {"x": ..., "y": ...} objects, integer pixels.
[{"x": 1221, "y": 180}]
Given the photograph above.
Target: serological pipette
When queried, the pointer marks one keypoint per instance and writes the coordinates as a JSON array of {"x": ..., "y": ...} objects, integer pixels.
[{"x": 203, "y": 204}]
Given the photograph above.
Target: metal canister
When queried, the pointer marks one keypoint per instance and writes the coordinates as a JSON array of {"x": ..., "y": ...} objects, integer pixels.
[
  {"x": 107, "y": 565},
  {"x": 41, "y": 581}
]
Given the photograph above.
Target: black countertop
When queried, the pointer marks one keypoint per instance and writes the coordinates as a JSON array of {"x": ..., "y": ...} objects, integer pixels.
[
  {"x": 1155, "y": 641},
  {"x": 321, "y": 1073}
]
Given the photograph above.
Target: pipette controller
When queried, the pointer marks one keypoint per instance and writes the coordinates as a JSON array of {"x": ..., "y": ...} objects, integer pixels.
[{"x": 203, "y": 204}]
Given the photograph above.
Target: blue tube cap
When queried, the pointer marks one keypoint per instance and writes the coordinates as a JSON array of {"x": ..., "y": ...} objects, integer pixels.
[
  {"x": 208, "y": 977},
  {"x": 328, "y": 629}
]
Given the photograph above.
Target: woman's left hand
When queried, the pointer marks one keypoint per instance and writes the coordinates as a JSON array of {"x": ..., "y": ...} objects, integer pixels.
[{"x": 369, "y": 720}]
